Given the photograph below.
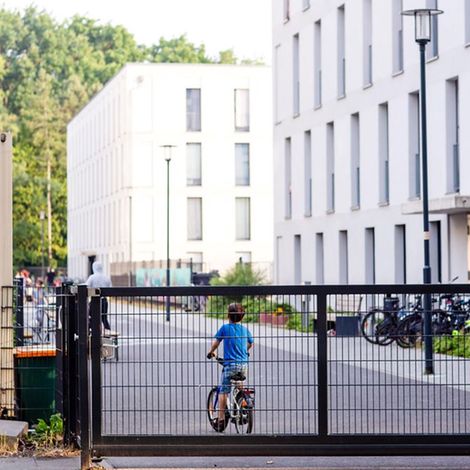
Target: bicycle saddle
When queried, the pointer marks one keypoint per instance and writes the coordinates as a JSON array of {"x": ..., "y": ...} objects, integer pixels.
[{"x": 238, "y": 377}]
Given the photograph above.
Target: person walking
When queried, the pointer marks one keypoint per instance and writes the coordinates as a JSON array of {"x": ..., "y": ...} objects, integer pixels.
[{"x": 97, "y": 280}]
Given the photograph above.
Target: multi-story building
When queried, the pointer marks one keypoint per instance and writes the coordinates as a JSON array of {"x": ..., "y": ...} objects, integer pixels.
[
  {"x": 218, "y": 118},
  {"x": 347, "y": 141}
]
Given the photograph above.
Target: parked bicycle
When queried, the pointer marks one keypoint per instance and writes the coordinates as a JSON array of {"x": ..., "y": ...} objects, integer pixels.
[{"x": 240, "y": 404}]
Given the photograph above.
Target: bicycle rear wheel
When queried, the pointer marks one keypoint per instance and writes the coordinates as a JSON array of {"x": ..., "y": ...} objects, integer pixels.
[
  {"x": 409, "y": 331},
  {"x": 377, "y": 327},
  {"x": 213, "y": 410},
  {"x": 244, "y": 414}
]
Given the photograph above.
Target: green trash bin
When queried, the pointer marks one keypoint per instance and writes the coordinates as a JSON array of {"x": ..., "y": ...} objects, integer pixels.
[{"x": 35, "y": 382}]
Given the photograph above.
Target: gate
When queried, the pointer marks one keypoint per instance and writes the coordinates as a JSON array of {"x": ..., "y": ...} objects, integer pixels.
[{"x": 321, "y": 388}]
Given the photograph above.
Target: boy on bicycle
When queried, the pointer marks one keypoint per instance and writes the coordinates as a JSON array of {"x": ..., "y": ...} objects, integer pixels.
[{"x": 237, "y": 342}]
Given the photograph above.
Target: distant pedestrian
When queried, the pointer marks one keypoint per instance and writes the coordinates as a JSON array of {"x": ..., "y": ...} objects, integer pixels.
[{"x": 97, "y": 280}]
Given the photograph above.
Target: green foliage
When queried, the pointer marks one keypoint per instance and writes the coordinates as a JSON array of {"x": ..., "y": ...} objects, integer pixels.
[
  {"x": 456, "y": 345},
  {"x": 48, "y": 71},
  {"x": 295, "y": 323},
  {"x": 242, "y": 274},
  {"x": 49, "y": 435}
]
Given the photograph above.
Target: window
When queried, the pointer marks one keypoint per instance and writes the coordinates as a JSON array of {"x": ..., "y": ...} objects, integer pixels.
[
  {"x": 413, "y": 139},
  {"x": 243, "y": 256},
  {"x": 452, "y": 119},
  {"x": 370, "y": 256},
  {"x": 367, "y": 42},
  {"x": 341, "y": 53},
  {"x": 384, "y": 171},
  {"x": 297, "y": 259},
  {"x": 400, "y": 254},
  {"x": 286, "y": 10},
  {"x": 295, "y": 75},
  {"x": 242, "y": 164},
  {"x": 193, "y": 109},
  {"x": 242, "y": 110},
  {"x": 397, "y": 31},
  {"x": 288, "y": 178},
  {"x": 319, "y": 259},
  {"x": 194, "y": 218},
  {"x": 277, "y": 87},
  {"x": 242, "y": 221},
  {"x": 195, "y": 257},
  {"x": 343, "y": 257},
  {"x": 355, "y": 162},
  {"x": 193, "y": 165},
  {"x": 432, "y": 49},
  {"x": 330, "y": 167},
  {"x": 467, "y": 21},
  {"x": 317, "y": 65},
  {"x": 435, "y": 252},
  {"x": 308, "y": 173},
  {"x": 305, "y": 4}
]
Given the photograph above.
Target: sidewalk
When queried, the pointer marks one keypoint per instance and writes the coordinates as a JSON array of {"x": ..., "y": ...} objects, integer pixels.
[{"x": 232, "y": 463}]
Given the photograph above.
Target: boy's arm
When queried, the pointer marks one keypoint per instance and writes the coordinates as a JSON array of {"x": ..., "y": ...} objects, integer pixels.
[{"x": 214, "y": 346}]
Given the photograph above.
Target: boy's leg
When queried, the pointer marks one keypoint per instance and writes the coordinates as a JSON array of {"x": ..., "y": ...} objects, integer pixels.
[{"x": 222, "y": 405}]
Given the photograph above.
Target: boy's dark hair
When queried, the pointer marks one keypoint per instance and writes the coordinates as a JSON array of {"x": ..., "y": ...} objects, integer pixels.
[{"x": 236, "y": 312}]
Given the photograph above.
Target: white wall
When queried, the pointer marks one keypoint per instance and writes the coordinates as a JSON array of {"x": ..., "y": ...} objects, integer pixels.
[
  {"x": 114, "y": 153},
  {"x": 453, "y": 61}
]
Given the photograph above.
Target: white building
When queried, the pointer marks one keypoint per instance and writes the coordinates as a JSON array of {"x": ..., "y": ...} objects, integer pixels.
[
  {"x": 218, "y": 117},
  {"x": 346, "y": 141}
]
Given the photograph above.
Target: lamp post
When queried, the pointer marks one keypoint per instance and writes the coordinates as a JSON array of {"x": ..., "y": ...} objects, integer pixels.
[
  {"x": 42, "y": 217},
  {"x": 423, "y": 33},
  {"x": 167, "y": 152}
]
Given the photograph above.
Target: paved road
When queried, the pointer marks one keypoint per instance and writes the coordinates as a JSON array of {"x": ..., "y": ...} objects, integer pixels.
[{"x": 161, "y": 382}]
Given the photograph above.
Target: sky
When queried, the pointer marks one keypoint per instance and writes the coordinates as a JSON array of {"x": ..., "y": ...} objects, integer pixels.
[{"x": 241, "y": 25}]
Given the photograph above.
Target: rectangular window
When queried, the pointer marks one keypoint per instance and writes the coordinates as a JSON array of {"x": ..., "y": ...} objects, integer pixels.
[
  {"x": 242, "y": 110},
  {"x": 400, "y": 254},
  {"x": 367, "y": 42},
  {"x": 330, "y": 167},
  {"x": 243, "y": 256},
  {"x": 435, "y": 252},
  {"x": 305, "y": 4},
  {"x": 452, "y": 121},
  {"x": 397, "y": 32},
  {"x": 295, "y": 75},
  {"x": 467, "y": 21},
  {"x": 319, "y": 259},
  {"x": 308, "y": 173},
  {"x": 193, "y": 165},
  {"x": 432, "y": 49},
  {"x": 384, "y": 175},
  {"x": 194, "y": 218},
  {"x": 413, "y": 140},
  {"x": 195, "y": 257},
  {"x": 355, "y": 162},
  {"x": 343, "y": 257},
  {"x": 370, "y": 256},
  {"x": 193, "y": 109},
  {"x": 277, "y": 81},
  {"x": 341, "y": 53},
  {"x": 317, "y": 64},
  {"x": 242, "y": 164},
  {"x": 286, "y": 10},
  {"x": 297, "y": 259},
  {"x": 288, "y": 178},
  {"x": 242, "y": 218}
]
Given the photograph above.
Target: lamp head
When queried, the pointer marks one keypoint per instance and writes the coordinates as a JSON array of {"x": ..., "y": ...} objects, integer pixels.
[{"x": 422, "y": 23}]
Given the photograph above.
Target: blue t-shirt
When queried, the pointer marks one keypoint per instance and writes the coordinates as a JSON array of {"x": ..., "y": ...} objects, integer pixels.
[{"x": 236, "y": 338}]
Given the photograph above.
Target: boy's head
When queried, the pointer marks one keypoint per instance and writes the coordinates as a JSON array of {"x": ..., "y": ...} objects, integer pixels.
[{"x": 235, "y": 313}]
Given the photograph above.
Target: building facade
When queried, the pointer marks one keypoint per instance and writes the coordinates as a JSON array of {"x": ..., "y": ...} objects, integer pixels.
[
  {"x": 217, "y": 118},
  {"x": 347, "y": 141}
]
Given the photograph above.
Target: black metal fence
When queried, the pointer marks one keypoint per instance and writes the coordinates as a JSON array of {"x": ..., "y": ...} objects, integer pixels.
[{"x": 315, "y": 384}]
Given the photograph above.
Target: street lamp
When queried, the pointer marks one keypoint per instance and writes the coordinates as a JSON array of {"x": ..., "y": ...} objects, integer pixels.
[
  {"x": 423, "y": 33},
  {"x": 167, "y": 149},
  {"x": 42, "y": 217}
]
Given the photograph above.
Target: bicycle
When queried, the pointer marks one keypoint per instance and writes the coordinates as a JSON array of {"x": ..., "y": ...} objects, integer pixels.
[{"x": 240, "y": 404}]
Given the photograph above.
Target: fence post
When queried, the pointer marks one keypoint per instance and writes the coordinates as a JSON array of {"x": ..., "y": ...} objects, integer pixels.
[
  {"x": 83, "y": 350},
  {"x": 322, "y": 367},
  {"x": 19, "y": 311},
  {"x": 95, "y": 320}
]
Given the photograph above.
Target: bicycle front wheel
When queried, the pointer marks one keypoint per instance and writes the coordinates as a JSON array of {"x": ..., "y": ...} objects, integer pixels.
[
  {"x": 243, "y": 414},
  {"x": 213, "y": 410},
  {"x": 377, "y": 328}
]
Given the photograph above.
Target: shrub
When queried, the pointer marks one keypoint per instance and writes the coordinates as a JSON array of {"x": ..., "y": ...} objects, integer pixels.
[{"x": 456, "y": 345}]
